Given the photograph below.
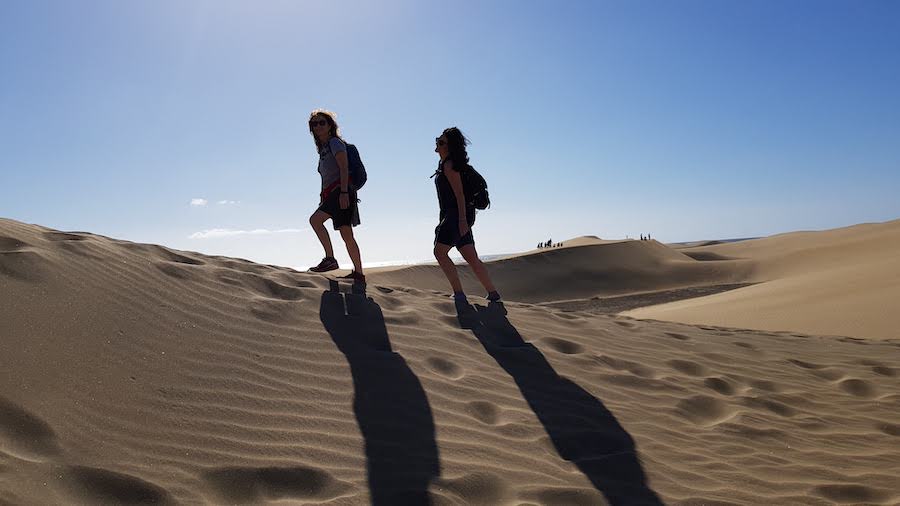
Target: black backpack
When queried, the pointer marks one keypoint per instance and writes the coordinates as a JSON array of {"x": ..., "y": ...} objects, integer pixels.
[
  {"x": 475, "y": 189},
  {"x": 356, "y": 168}
]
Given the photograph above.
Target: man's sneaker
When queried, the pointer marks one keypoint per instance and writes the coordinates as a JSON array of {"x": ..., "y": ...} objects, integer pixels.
[
  {"x": 327, "y": 264},
  {"x": 355, "y": 276}
]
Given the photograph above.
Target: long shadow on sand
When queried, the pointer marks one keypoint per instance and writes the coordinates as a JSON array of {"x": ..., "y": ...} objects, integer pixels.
[
  {"x": 389, "y": 402},
  {"x": 583, "y": 431}
]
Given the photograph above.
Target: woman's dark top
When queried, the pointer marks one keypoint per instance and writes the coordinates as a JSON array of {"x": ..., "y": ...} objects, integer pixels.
[{"x": 446, "y": 197}]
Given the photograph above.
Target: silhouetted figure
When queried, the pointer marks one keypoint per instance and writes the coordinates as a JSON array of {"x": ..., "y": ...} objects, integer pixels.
[
  {"x": 456, "y": 215},
  {"x": 583, "y": 431},
  {"x": 389, "y": 402},
  {"x": 337, "y": 200}
]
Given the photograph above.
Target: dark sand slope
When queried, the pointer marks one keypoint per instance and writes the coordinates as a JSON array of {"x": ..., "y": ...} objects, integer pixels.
[
  {"x": 134, "y": 374},
  {"x": 581, "y": 272}
]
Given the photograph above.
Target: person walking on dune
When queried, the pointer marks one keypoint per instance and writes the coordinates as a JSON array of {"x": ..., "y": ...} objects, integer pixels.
[
  {"x": 456, "y": 214},
  {"x": 337, "y": 200}
]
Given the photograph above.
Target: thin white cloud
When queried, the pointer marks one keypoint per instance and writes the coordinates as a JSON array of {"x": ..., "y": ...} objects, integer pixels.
[
  {"x": 199, "y": 202},
  {"x": 217, "y": 233},
  {"x": 228, "y": 202}
]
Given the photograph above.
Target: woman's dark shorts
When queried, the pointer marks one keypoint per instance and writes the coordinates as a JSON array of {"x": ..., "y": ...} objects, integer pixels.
[
  {"x": 447, "y": 231},
  {"x": 341, "y": 217}
]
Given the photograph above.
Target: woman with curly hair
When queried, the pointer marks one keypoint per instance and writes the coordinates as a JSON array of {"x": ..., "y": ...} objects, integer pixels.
[
  {"x": 337, "y": 200},
  {"x": 456, "y": 215}
]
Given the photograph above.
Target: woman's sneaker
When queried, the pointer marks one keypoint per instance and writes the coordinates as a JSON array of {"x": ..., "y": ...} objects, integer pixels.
[{"x": 327, "y": 264}]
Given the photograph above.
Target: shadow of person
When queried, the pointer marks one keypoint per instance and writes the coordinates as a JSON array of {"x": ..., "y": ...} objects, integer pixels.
[
  {"x": 389, "y": 402},
  {"x": 583, "y": 431}
]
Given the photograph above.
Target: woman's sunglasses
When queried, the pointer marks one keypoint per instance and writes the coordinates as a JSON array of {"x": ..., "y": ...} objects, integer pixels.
[
  {"x": 321, "y": 122},
  {"x": 440, "y": 142}
]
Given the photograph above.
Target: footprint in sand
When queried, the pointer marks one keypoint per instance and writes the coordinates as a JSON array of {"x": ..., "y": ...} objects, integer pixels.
[
  {"x": 879, "y": 368},
  {"x": 884, "y": 371},
  {"x": 687, "y": 367},
  {"x": 273, "y": 289},
  {"x": 445, "y": 367},
  {"x": 483, "y": 411},
  {"x": 477, "y": 488},
  {"x": 704, "y": 410},
  {"x": 24, "y": 435},
  {"x": 720, "y": 385},
  {"x": 8, "y": 244},
  {"x": 173, "y": 270},
  {"x": 99, "y": 486},
  {"x": 855, "y": 494},
  {"x": 255, "y": 485},
  {"x": 822, "y": 371},
  {"x": 891, "y": 429},
  {"x": 563, "y": 346},
  {"x": 858, "y": 387},
  {"x": 18, "y": 262}
]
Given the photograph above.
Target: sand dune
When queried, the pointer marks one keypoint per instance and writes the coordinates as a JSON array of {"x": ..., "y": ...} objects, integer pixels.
[
  {"x": 601, "y": 269},
  {"x": 840, "y": 282},
  {"x": 135, "y": 374}
]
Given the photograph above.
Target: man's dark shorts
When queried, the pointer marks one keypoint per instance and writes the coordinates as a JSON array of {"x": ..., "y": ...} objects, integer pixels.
[
  {"x": 447, "y": 231},
  {"x": 341, "y": 217}
]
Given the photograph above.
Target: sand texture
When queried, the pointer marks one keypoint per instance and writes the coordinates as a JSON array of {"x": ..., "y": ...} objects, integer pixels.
[{"x": 135, "y": 374}]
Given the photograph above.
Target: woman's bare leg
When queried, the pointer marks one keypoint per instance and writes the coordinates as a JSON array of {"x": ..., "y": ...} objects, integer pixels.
[
  {"x": 352, "y": 247},
  {"x": 317, "y": 221},
  {"x": 468, "y": 252},
  {"x": 441, "y": 254}
]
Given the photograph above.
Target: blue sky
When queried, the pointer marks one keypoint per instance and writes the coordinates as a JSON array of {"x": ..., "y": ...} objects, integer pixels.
[{"x": 687, "y": 120}]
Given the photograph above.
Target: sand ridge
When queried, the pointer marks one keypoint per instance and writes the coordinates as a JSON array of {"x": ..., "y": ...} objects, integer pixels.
[
  {"x": 608, "y": 268},
  {"x": 136, "y": 374}
]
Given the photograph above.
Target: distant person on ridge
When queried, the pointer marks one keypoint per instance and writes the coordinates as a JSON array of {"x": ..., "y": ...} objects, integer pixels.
[
  {"x": 456, "y": 215},
  {"x": 337, "y": 200}
]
